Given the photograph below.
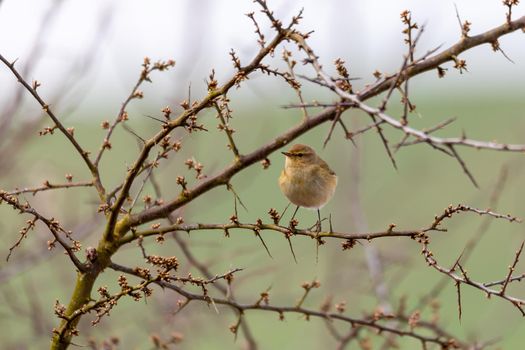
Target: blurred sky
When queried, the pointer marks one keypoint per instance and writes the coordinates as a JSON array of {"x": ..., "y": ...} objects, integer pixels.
[{"x": 105, "y": 41}]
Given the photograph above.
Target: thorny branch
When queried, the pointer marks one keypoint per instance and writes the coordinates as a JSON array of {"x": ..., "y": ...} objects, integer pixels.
[
  {"x": 444, "y": 144},
  {"x": 447, "y": 55},
  {"x": 446, "y": 343},
  {"x": 53, "y": 225},
  {"x": 147, "y": 69},
  {"x": 472, "y": 242},
  {"x": 105, "y": 304},
  {"x": 224, "y": 115},
  {"x": 464, "y": 278},
  {"x": 50, "y": 186},
  {"x": 285, "y": 230},
  {"x": 32, "y": 89},
  {"x": 121, "y": 225}
]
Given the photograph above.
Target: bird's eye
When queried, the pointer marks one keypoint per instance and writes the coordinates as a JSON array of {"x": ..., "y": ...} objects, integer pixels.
[{"x": 299, "y": 154}]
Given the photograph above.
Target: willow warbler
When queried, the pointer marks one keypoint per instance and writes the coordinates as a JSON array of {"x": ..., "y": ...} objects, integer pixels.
[{"x": 306, "y": 180}]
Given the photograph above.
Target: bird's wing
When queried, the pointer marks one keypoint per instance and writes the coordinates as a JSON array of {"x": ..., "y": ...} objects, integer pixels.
[{"x": 326, "y": 167}]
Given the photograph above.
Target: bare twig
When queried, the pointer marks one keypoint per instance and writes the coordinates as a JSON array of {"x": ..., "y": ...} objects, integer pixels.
[
  {"x": 390, "y": 232},
  {"x": 135, "y": 93},
  {"x": 465, "y": 279},
  {"x": 472, "y": 242},
  {"x": 511, "y": 269},
  {"x": 53, "y": 225},
  {"x": 433, "y": 62},
  {"x": 226, "y": 127},
  {"x": 49, "y": 186},
  {"x": 47, "y": 109},
  {"x": 281, "y": 310}
]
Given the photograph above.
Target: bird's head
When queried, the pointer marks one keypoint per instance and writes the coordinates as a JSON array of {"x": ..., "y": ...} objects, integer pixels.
[{"x": 299, "y": 155}]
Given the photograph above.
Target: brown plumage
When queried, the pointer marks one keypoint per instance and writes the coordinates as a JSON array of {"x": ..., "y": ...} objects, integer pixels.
[{"x": 307, "y": 181}]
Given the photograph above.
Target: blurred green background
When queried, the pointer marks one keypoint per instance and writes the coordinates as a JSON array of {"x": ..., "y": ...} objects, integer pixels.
[{"x": 487, "y": 101}]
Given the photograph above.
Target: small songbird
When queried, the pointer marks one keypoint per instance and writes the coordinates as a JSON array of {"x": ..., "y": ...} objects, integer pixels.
[{"x": 306, "y": 180}]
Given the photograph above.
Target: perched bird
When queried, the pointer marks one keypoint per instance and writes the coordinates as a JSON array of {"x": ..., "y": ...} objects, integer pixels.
[{"x": 306, "y": 180}]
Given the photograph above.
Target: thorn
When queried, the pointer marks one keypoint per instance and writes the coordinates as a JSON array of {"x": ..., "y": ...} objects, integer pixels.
[
  {"x": 136, "y": 135},
  {"x": 264, "y": 244},
  {"x": 291, "y": 248},
  {"x": 284, "y": 211},
  {"x": 237, "y": 198},
  {"x": 159, "y": 120}
]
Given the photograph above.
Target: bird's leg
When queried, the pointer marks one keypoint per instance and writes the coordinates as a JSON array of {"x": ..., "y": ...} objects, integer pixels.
[{"x": 318, "y": 221}]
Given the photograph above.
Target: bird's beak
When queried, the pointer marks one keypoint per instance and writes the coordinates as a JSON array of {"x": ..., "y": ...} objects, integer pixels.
[{"x": 288, "y": 154}]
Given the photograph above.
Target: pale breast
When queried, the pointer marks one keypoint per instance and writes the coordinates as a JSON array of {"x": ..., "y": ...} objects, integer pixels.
[{"x": 310, "y": 187}]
